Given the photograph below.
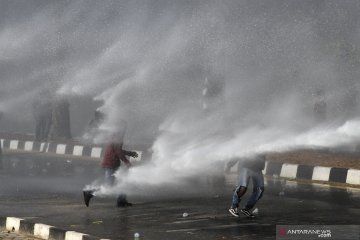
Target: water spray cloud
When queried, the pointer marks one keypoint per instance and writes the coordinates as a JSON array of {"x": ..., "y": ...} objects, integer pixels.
[{"x": 147, "y": 63}]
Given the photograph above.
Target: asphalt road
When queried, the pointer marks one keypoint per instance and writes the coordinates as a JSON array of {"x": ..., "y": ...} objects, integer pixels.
[{"x": 49, "y": 190}]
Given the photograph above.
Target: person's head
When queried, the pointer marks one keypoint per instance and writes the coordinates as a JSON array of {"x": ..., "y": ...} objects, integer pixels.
[
  {"x": 118, "y": 132},
  {"x": 117, "y": 137}
]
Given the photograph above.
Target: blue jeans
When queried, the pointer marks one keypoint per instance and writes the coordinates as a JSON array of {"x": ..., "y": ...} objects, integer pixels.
[
  {"x": 109, "y": 175},
  {"x": 110, "y": 179},
  {"x": 258, "y": 187}
]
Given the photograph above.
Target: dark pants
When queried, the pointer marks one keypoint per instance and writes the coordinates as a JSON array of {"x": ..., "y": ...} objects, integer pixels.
[{"x": 109, "y": 180}]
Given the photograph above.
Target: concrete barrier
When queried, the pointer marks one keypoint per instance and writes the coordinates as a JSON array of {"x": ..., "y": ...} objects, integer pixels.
[
  {"x": 78, "y": 150},
  {"x": 96, "y": 152},
  {"x": 42, "y": 231},
  {"x": 289, "y": 170},
  {"x": 13, "y": 224},
  {"x": 316, "y": 173},
  {"x": 71, "y": 235},
  {"x": 353, "y": 176},
  {"x": 304, "y": 172},
  {"x": 14, "y": 144},
  {"x": 321, "y": 173},
  {"x": 29, "y": 146},
  {"x": 59, "y": 148},
  {"x": 44, "y": 147}
]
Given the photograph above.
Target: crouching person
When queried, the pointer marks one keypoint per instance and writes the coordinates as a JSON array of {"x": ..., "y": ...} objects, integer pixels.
[{"x": 249, "y": 169}]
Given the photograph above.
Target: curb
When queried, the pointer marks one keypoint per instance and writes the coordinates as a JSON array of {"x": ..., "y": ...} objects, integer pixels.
[
  {"x": 42, "y": 231},
  {"x": 78, "y": 150},
  {"x": 315, "y": 173},
  {"x": 286, "y": 170}
]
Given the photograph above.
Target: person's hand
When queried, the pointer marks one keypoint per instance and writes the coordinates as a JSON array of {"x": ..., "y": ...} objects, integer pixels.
[{"x": 134, "y": 154}]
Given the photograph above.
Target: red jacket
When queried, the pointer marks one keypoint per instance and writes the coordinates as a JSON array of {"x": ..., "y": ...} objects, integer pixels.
[{"x": 112, "y": 156}]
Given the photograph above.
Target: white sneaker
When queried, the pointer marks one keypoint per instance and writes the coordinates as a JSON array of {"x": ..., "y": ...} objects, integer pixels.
[{"x": 234, "y": 212}]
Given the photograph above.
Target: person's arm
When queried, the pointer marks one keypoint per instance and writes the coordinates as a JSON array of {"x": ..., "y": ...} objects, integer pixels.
[
  {"x": 130, "y": 153},
  {"x": 121, "y": 155},
  {"x": 230, "y": 164}
]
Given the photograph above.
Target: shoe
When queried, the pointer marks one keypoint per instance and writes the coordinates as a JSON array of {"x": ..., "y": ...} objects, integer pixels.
[
  {"x": 247, "y": 213},
  {"x": 234, "y": 212},
  {"x": 122, "y": 201},
  {"x": 128, "y": 204},
  {"x": 123, "y": 204},
  {"x": 87, "y": 196}
]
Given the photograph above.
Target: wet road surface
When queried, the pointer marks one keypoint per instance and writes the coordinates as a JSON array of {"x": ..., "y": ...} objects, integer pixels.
[{"x": 49, "y": 190}]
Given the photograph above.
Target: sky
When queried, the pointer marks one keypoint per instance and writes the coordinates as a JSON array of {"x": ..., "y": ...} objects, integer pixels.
[{"x": 149, "y": 63}]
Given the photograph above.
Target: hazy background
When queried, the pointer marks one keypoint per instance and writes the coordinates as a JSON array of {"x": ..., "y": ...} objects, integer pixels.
[{"x": 147, "y": 62}]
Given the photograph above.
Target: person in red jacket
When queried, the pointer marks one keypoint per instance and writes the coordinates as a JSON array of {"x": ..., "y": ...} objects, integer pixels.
[{"x": 113, "y": 156}]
